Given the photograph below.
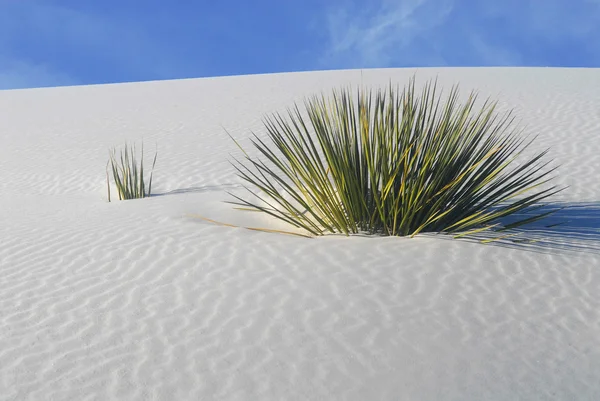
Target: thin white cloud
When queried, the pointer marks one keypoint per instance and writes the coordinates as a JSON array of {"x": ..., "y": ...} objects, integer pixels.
[
  {"x": 16, "y": 74},
  {"x": 546, "y": 25},
  {"x": 377, "y": 37},
  {"x": 57, "y": 35},
  {"x": 490, "y": 54},
  {"x": 394, "y": 33}
]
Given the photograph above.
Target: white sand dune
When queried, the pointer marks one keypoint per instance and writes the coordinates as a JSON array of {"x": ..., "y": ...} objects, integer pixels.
[{"x": 135, "y": 300}]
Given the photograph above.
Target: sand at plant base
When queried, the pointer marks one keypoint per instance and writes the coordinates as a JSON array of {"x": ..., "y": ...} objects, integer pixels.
[{"x": 136, "y": 300}]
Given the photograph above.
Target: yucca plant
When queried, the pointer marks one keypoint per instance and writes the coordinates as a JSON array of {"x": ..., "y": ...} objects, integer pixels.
[
  {"x": 128, "y": 177},
  {"x": 393, "y": 163}
]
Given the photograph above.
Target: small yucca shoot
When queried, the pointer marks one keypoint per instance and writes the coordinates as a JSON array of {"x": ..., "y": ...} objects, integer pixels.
[
  {"x": 393, "y": 163},
  {"x": 128, "y": 177}
]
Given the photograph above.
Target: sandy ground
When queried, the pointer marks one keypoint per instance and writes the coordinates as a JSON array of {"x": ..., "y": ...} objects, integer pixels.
[{"x": 136, "y": 300}]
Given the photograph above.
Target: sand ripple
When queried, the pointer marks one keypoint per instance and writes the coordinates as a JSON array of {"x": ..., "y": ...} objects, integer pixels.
[{"x": 137, "y": 301}]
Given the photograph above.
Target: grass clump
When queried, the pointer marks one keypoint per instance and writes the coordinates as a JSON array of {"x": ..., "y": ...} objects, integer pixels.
[
  {"x": 128, "y": 177},
  {"x": 393, "y": 162}
]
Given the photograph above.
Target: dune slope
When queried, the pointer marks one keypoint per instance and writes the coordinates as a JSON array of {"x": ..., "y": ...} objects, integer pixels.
[{"x": 137, "y": 300}]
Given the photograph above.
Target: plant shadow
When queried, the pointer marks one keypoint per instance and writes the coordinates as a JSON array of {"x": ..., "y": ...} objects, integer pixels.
[
  {"x": 573, "y": 226},
  {"x": 205, "y": 188}
]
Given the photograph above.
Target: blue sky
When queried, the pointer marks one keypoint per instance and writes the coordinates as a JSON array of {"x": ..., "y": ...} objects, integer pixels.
[{"x": 52, "y": 43}]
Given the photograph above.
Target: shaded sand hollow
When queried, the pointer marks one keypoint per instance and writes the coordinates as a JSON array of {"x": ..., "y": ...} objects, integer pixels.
[{"x": 136, "y": 300}]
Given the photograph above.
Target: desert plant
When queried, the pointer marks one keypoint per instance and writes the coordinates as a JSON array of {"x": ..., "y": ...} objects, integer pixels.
[
  {"x": 128, "y": 177},
  {"x": 393, "y": 163}
]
